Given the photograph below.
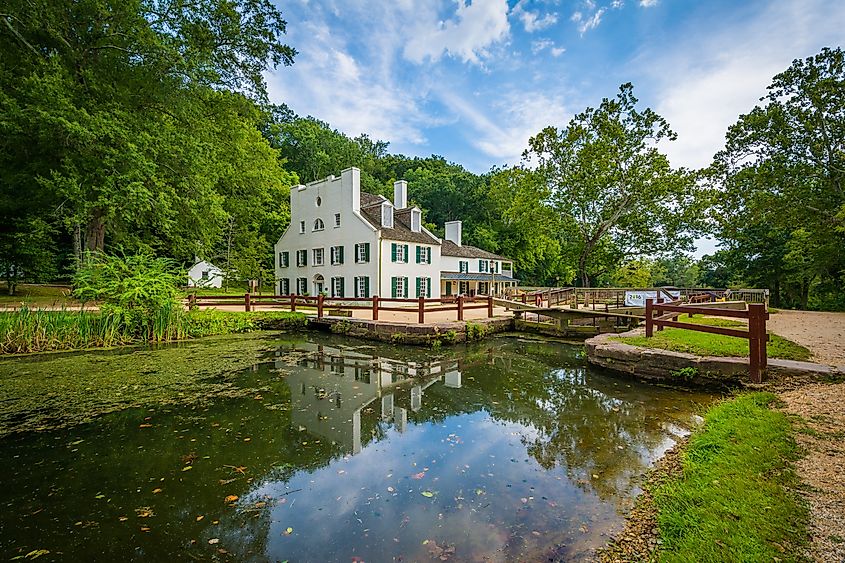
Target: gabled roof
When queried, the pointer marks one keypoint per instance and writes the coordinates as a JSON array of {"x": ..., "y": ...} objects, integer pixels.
[
  {"x": 475, "y": 276},
  {"x": 401, "y": 230},
  {"x": 449, "y": 248}
]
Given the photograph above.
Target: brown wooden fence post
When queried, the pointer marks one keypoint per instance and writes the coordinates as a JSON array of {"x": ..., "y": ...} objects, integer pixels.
[
  {"x": 649, "y": 320},
  {"x": 490, "y": 307},
  {"x": 659, "y": 300},
  {"x": 192, "y": 300},
  {"x": 375, "y": 307},
  {"x": 460, "y": 307},
  {"x": 421, "y": 309},
  {"x": 292, "y": 302},
  {"x": 246, "y": 302},
  {"x": 756, "y": 341},
  {"x": 320, "y": 299},
  {"x": 525, "y": 298}
]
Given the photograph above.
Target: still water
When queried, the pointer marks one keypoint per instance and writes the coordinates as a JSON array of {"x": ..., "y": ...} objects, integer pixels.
[{"x": 506, "y": 450}]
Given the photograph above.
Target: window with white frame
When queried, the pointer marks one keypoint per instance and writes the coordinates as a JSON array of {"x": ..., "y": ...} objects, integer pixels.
[
  {"x": 416, "y": 220},
  {"x": 337, "y": 287},
  {"x": 284, "y": 286},
  {"x": 302, "y": 227},
  {"x": 284, "y": 259},
  {"x": 301, "y": 286},
  {"x": 337, "y": 219},
  {"x": 398, "y": 252},
  {"x": 423, "y": 287},
  {"x": 362, "y": 252},
  {"x": 482, "y": 265},
  {"x": 387, "y": 215},
  {"x": 318, "y": 225},
  {"x": 423, "y": 254},
  {"x": 318, "y": 256},
  {"x": 362, "y": 286},
  {"x": 336, "y": 255},
  {"x": 301, "y": 258},
  {"x": 463, "y": 266},
  {"x": 399, "y": 287}
]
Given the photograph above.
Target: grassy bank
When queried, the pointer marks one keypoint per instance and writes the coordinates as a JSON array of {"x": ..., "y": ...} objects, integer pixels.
[
  {"x": 37, "y": 330},
  {"x": 705, "y": 344},
  {"x": 735, "y": 499}
]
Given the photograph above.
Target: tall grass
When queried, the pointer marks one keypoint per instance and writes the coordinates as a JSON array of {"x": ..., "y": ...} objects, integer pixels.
[{"x": 39, "y": 330}]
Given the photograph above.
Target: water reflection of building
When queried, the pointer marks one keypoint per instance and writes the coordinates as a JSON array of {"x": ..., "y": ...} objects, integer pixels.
[{"x": 332, "y": 388}]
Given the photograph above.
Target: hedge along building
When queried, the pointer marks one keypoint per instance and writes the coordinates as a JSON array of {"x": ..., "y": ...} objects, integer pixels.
[{"x": 348, "y": 243}]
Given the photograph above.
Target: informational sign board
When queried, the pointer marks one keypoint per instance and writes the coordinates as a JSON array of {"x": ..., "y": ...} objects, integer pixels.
[{"x": 637, "y": 298}]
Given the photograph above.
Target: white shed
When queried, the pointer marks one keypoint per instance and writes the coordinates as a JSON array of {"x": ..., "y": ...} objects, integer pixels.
[{"x": 205, "y": 274}]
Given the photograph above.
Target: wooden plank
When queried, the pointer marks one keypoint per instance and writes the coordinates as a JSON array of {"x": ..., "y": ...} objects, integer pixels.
[
  {"x": 700, "y": 310},
  {"x": 724, "y": 331}
]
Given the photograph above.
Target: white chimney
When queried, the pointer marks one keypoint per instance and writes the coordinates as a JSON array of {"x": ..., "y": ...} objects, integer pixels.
[
  {"x": 453, "y": 231},
  {"x": 350, "y": 183},
  {"x": 400, "y": 194}
]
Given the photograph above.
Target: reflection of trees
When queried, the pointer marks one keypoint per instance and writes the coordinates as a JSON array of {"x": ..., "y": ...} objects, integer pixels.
[{"x": 585, "y": 423}]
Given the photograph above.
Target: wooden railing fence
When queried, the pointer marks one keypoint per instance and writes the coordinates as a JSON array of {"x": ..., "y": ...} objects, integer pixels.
[
  {"x": 756, "y": 334},
  {"x": 376, "y": 304}
]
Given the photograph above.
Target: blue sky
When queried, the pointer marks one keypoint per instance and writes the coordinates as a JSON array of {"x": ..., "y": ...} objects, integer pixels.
[{"x": 473, "y": 80}]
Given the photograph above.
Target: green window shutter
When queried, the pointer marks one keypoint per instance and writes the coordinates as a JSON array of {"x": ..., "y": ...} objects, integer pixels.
[
  {"x": 366, "y": 286},
  {"x": 393, "y": 252},
  {"x": 418, "y": 287},
  {"x": 342, "y": 288},
  {"x": 406, "y": 287},
  {"x": 428, "y": 255},
  {"x": 393, "y": 287},
  {"x": 406, "y": 254},
  {"x": 356, "y": 253},
  {"x": 366, "y": 252},
  {"x": 304, "y": 257},
  {"x": 340, "y": 255},
  {"x": 428, "y": 288},
  {"x": 355, "y": 286},
  {"x": 419, "y": 248}
]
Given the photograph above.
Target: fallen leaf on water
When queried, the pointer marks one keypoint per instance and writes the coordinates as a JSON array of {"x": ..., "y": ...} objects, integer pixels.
[
  {"x": 187, "y": 468},
  {"x": 247, "y": 439},
  {"x": 200, "y": 517},
  {"x": 34, "y": 554},
  {"x": 145, "y": 426},
  {"x": 427, "y": 494},
  {"x": 213, "y": 541},
  {"x": 288, "y": 531},
  {"x": 156, "y": 491},
  {"x": 231, "y": 498},
  {"x": 390, "y": 489},
  {"x": 145, "y": 529},
  {"x": 123, "y": 518},
  {"x": 419, "y": 475}
]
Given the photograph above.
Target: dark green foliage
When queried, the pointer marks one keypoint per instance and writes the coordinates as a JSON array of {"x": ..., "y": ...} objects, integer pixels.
[{"x": 778, "y": 198}]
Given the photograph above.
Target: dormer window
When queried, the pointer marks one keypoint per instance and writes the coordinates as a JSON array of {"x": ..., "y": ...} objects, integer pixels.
[
  {"x": 387, "y": 215},
  {"x": 416, "y": 220},
  {"x": 318, "y": 225}
]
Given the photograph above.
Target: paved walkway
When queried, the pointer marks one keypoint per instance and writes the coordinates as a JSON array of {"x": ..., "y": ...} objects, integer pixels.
[{"x": 821, "y": 333}]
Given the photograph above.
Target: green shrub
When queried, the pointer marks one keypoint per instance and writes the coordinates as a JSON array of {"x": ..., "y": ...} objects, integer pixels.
[{"x": 476, "y": 331}]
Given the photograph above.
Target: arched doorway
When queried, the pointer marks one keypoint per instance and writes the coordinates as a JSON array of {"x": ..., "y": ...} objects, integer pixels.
[{"x": 319, "y": 284}]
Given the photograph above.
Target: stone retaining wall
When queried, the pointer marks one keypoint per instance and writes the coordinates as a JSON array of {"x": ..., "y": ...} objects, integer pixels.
[
  {"x": 688, "y": 369},
  {"x": 410, "y": 333}
]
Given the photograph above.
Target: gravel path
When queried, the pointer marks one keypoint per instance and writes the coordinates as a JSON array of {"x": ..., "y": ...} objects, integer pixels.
[
  {"x": 822, "y": 333},
  {"x": 822, "y": 406}
]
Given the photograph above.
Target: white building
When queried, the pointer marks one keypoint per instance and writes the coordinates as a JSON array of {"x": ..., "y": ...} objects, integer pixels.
[
  {"x": 205, "y": 274},
  {"x": 348, "y": 243}
]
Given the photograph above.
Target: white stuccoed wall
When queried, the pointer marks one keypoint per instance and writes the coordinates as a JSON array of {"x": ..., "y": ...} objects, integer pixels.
[
  {"x": 411, "y": 270},
  {"x": 338, "y": 195}
]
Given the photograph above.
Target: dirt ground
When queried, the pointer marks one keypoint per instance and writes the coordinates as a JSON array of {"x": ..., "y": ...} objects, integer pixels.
[
  {"x": 822, "y": 406},
  {"x": 822, "y": 333}
]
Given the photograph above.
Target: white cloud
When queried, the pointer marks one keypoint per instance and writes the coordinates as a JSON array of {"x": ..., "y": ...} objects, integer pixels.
[
  {"x": 648, "y": 3},
  {"x": 541, "y": 45},
  {"x": 532, "y": 20},
  {"x": 329, "y": 83},
  {"x": 518, "y": 117},
  {"x": 719, "y": 72},
  {"x": 586, "y": 23},
  {"x": 467, "y": 36}
]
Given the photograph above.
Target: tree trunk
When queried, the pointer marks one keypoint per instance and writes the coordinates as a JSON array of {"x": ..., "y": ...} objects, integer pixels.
[
  {"x": 95, "y": 232},
  {"x": 77, "y": 245},
  {"x": 805, "y": 294}
]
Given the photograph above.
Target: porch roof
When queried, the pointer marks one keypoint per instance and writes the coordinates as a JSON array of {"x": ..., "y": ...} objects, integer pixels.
[{"x": 475, "y": 276}]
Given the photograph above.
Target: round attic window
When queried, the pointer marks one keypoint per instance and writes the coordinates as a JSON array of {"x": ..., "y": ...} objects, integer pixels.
[{"x": 319, "y": 201}]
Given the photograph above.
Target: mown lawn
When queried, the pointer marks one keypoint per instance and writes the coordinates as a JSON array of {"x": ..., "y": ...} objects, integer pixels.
[
  {"x": 38, "y": 296},
  {"x": 705, "y": 344},
  {"x": 736, "y": 499}
]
